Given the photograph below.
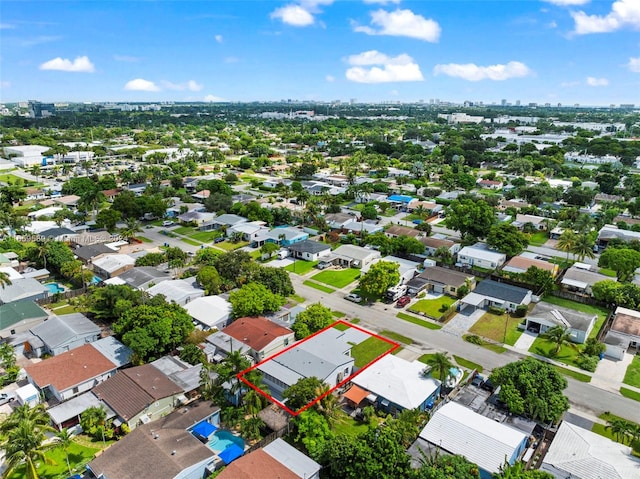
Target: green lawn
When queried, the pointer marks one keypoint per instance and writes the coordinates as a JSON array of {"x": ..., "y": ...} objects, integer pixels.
[
  {"x": 300, "y": 267},
  {"x": 567, "y": 354},
  {"x": 419, "y": 322},
  {"x": 608, "y": 272},
  {"x": 348, "y": 426},
  {"x": 492, "y": 326},
  {"x": 184, "y": 230},
  {"x": 338, "y": 314},
  {"x": 632, "y": 377},
  {"x": 319, "y": 287},
  {"x": 538, "y": 239},
  {"x": 496, "y": 348},
  {"x": 396, "y": 337},
  {"x": 628, "y": 393},
  {"x": 79, "y": 456},
  {"x": 585, "y": 378},
  {"x": 470, "y": 365},
  {"x": 425, "y": 358},
  {"x": 204, "y": 236},
  {"x": 297, "y": 298},
  {"x": 355, "y": 320},
  {"x": 585, "y": 308},
  {"x": 431, "y": 307},
  {"x": 368, "y": 350},
  {"x": 190, "y": 241},
  {"x": 66, "y": 310},
  {"x": 144, "y": 239},
  {"x": 227, "y": 246},
  {"x": 341, "y": 326},
  {"x": 337, "y": 278}
]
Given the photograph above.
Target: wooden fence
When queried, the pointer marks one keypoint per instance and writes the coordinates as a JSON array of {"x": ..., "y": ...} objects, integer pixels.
[{"x": 54, "y": 298}]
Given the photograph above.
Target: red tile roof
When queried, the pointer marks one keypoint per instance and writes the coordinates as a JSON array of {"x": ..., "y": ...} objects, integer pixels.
[
  {"x": 70, "y": 369},
  {"x": 257, "y": 332}
]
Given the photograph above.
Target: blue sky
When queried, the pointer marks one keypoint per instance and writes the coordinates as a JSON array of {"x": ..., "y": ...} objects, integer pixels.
[{"x": 568, "y": 51}]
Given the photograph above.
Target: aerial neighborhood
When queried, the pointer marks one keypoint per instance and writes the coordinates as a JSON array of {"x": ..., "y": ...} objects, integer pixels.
[{"x": 262, "y": 290}]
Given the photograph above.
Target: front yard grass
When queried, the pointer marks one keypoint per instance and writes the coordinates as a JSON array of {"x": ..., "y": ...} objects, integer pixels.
[
  {"x": 419, "y": 322},
  {"x": 538, "y": 239},
  {"x": 496, "y": 348},
  {"x": 227, "y": 246},
  {"x": 190, "y": 241},
  {"x": 431, "y": 307},
  {"x": 184, "y": 230},
  {"x": 348, "y": 426},
  {"x": 79, "y": 456},
  {"x": 585, "y": 378},
  {"x": 205, "y": 236},
  {"x": 492, "y": 326},
  {"x": 341, "y": 326},
  {"x": 395, "y": 336},
  {"x": 632, "y": 376},
  {"x": 628, "y": 393},
  {"x": 368, "y": 350},
  {"x": 319, "y": 287},
  {"x": 566, "y": 355},
  {"x": 608, "y": 272},
  {"x": 470, "y": 365},
  {"x": 337, "y": 278},
  {"x": 144, "y": 239},
  {"x": 300, "y": 267},
  {"x": 602, "y": 313}
]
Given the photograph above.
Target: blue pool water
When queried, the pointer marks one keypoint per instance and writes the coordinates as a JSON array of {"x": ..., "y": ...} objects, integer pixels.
[
  {"x": 454, "y": 371},
  {"x": 95, "y": 280},
  {"x": 222, "y": 439},
  {"x": 54, "y": 288}
]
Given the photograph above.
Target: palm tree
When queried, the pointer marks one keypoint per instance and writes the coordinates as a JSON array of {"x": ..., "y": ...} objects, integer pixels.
[
  {"x": 440, "y": 365},
  {"x": 37, "y": 416},
  {"x": 567, "y": 241},
  {"x": 91, "y": 199},
  {"x": 64, "y": 440},
  {"x": 618, "y": 428},
  {"x": 583, "y": 247},
  {"x": 328, "y": 406},
  {"x": 133, "y": 227},
  {"x": 42, "y": 251},
  {"x": 4, "y": 279},
  {"x": 559, "y": 336}
]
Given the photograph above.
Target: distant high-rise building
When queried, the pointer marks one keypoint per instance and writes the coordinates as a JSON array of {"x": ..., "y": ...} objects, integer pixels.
[
  {"x": 517, "y": 102},
  {"x": 352, "y": 101},
  {"x": 627, "y": 105},
  {"x": 547, "y": 105},
  {"x": 576, "y": 105},
  {"x": 533, "y": 104},
  {"x": 41, "y": 110},
  {"x": 503, "y": 102}
]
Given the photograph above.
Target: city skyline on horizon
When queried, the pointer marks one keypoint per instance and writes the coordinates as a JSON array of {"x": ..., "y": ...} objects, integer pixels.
[{"x": 374, "y": 51}]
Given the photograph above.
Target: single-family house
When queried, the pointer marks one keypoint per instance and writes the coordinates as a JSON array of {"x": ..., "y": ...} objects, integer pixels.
[
  {"x": 277, "y": 460},
  {"x": 538, "y": 222},
  {"x": 325, "y": 356},
  {"x": 500, "y": 295},
  {"x": 67, "y": 414},
  {"x": 432, "y": 243},
  {"x": 202, "y": 219},
  {"x": 480, "y": 256},
  {"x": 137, "y": 188},
  {"x": 262, "y": 336},
  {"x": 580, "y": 279},
  {"x": 426, "y": 207},
  {"x": 179, "y": 291},
  {"x": 113, "y": 265},
  {"x": 350, "y": 256},
  {"x": 58, "y": 234},
  {"x": 309, "y": 250},
  {"x": 165, "y": 449},
  {"x": 143, "y": 277},
  {"x": 285, "y": 236},
  {"x": 209, "y": 312},
  {"x": 250, "y": 231},
  {"x": 227, "y": 221},
  {"x": 455, "y": 429},
  {"x": 545, "y": 316},
  {"x": 400, "y": 202},
  {"x": 436, "y": 279},
  {"x": 366, "y": 197},
  {"x": 578, "y": 453},
  {"x": 407, "y": 269},
  {"x": 60, "y": 334},
  {"x": 624, "y": 333},
  {"x": 139, "y": 395},
  {"x": 111, "y": 194},
  {"x": 490, "y": 184},
  {"x": 398, "y": 230},
  {"x": 609, "y": 232},
  {"x": 394, "y": 385},
  {"x": 19, "y": 316},
  {"x": 87, "y": 254},
  {"x": 64, "y": 376},
  {"x": 336, "y": 221},
  {"x": 201, "y": 195},
  {"x": 25, "y": 289},
  {"x": 185, "y": 375},
  {"x": 520, "y": 264},
  {"x": 358, "y": 227}
]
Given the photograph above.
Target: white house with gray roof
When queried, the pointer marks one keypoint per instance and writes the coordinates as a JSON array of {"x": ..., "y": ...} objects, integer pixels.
[
  {"x": 545, "y": 316},
  {"x": 309, "y": 250},
  {"x": 21, "y": 290},
  {"x": 61, "y": 334},
  {"x": 480, "y": 256},
  {"x": 179, "y": 291},
  {"x": 500, "y": 295},
  {"x": 350, "y": 256}
]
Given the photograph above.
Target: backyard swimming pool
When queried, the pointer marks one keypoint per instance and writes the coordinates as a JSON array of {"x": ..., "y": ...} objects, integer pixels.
[
  {"x": 223, "y": 439},
  {"x": 54, "y": 288}
]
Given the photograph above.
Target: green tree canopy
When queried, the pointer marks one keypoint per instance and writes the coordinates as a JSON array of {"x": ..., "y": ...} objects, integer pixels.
[
  {"x": 209, "y": 279},
  {"x": 302, "y": 392},
  {"x": 472, "y": 218},
  {"x": 313, "y": 319},
  {"x": 254, "y": 299},
  {"x": 623, "y": 261},
  {"x": 507, "y": 239},
  {"x": 380, "y": 277}
]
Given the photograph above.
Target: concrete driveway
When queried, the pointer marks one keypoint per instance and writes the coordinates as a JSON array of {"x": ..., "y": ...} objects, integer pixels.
[
  {"x": 610, "y": 373},
  {"x": 462, "y": 322},
  {"x": 525, "y": 341}
]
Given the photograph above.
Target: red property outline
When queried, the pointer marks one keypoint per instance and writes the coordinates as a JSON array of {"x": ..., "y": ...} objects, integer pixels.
[{"x": 241, "y": 374}]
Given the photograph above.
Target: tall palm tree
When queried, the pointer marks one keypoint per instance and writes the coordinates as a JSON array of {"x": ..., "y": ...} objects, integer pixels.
[
  {"x": 4, "y": 279},
  {"x": 91, "y": 199},
  {"x": 129, "y": 231},
  {"x": 559, "y": 336},
  {"x": 583, "y": 247},
  {"x": 37, "y": 416},
  {"x": 440, "y": 365},
  {"x": 42, "y": 252},
  {"x": 64, "y": 440},
  {"x": 618, "y": 428},
  {"x": 567, "y": 241}
]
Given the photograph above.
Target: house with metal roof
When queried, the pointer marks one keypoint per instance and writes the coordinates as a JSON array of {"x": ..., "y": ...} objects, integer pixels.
[
  {"x": 580, "y": 279},
  {"x": 394, "y": 385},
  {"x": 309, "y": 250},
  {"x": 209, "y": 312},
  {"x": 179, "y": 291},
  {"x": 227, "y": 220},
  {"x": 18, "y": 317},
  {"x": 480, "y": 256},
  {"x": 60, "y": 334},
  {"x": 112, "y": 265},
  {"x": 350, "y": 256},
  {"x": 500, "y": 295},
  {"x": 455, "y": 429},
  {"x": 545, "y": 316},
  {"x": 24, "y": 289},
  {"x": 407, "y": 268},
  {"x": 143, "y": 277},
  {"x": 578, "y": 453},
  {"x": 250, "y": 231}
]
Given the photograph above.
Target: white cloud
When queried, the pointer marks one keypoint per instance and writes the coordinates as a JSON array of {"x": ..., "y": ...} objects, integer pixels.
[
  {"x": 6, "y": 26},
  {"x": 634, "y": 64},
  {"x": 473, "y": 72},
  {"x": 126, "y": 58},
  {"x": 231, "y": 60},
  {"x": 219, "y": 38},
  {"x": 401, "y": 23},
  {"x": 293, "y": 15},
  {"x": 593, "y": 81},
  {"x": 140, "y": 84},
  {"x": 565, "y": 3},
  {"x": 624, "y": 13},
  {"x": 5, "y": 84},
  {"x": 79, "y": 65},
  {"x": 191, "y": 85},
  {"x": 330, "y": 78},
  {"x": 213, "y": 98},
  {"x": 391, "y": 69}
]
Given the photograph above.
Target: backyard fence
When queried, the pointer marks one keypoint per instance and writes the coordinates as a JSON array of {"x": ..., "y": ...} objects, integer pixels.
[{"x": 54, "y": 298}]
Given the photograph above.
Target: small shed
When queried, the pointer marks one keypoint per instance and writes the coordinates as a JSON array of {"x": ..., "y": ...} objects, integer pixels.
[{"x": 28, "y": 395}]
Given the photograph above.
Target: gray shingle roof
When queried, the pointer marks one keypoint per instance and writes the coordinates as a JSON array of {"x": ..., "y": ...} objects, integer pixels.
[
  {"x": 60, "y": 329},
  {"x": 309, "y": 246},
  {"x": 503, "y": 291}
]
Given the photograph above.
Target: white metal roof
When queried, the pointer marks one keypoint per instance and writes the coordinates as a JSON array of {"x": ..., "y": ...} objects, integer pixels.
[
  {"x": 292, "y": 459},
  {"x": 459, "y": 430},
  {"x": 398, "y": 381},
  {"x": 209, "y": 310},
  {"x": 581, "y": 454}
]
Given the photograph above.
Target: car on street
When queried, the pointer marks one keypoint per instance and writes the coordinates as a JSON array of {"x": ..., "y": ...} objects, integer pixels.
[
  {"x": 219, "y": 239},
  {"x": 167, "y": 223},
  {"x": 403, "y": 301},
  {"x": 5, "y": 398},
  {"x": 353, "y": 297}
]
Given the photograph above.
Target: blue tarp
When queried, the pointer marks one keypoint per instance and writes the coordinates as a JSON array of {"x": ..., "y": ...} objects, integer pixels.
[
  {"x": 204, "y": 429},
  {"x": 231, "y": 453}
]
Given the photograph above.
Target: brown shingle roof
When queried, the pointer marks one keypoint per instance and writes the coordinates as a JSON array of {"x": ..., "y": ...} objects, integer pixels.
[
  {"x": 257, "y": 464},
  {"x": 522, "y": 262},
  {"x": 627, "y": 324},
  {"x": 70, "y": 368},
  {"x": 436, "y": 242},
  {"x": 255, "y": 332},
  {"x": 130, "y": 391},
  {"x": 398, "y": 230}
]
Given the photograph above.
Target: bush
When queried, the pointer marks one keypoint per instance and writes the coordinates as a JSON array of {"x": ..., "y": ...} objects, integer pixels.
[
  {"x": 520, "y": 311},
  {"x": 593, "y": 347},
  {"x": 443, "y": 308},
  {"x": 496, "y": 310},
  {"x": 474, "y": 339},
  {"x": 588, "y": 363}
]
